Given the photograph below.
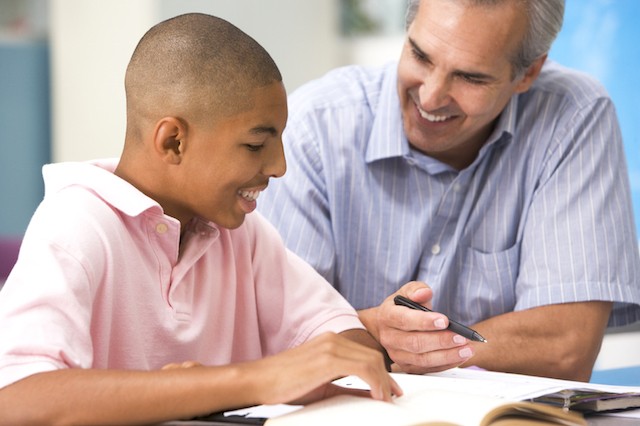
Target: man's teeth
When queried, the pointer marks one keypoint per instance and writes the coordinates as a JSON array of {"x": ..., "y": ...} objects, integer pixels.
[
  {"x": 249, "y": 195},
  {"x": 431, "y": 117}
]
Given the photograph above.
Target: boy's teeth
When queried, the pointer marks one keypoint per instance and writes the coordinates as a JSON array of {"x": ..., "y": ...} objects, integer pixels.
[{"x": 249, "y": 195}]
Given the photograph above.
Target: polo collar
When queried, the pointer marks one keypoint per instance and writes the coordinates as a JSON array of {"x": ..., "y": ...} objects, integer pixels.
[{"x": 98, "y": 176}]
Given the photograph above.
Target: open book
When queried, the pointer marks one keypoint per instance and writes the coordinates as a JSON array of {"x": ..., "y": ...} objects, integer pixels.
[
  {"x": 459, "y": 396},
  {"x": 427, "y": 407}
]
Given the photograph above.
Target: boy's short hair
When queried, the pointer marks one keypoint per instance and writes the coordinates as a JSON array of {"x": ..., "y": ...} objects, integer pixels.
[{"x": 195, "y": 65}]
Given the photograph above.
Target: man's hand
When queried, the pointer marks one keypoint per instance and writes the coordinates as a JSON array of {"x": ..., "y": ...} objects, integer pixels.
[
  {"x": 417, "y": 342},
  {"x": 526, "y": 342}
]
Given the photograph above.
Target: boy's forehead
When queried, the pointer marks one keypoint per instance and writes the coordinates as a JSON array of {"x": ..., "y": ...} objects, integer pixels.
[{"x": 263, "y": 112}]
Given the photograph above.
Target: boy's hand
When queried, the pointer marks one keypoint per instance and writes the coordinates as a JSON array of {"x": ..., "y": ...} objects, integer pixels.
[{"x": 304, "y": 374}]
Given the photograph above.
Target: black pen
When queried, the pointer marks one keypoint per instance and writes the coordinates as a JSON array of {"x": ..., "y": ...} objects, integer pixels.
[{"x": 454, "y": 326}]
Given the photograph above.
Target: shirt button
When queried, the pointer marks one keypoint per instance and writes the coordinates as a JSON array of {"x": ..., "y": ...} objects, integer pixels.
[
  {"x": 457, "y": 187},
  {"x": 435, "y": 249},
  {"x": 161, "y": 228}
]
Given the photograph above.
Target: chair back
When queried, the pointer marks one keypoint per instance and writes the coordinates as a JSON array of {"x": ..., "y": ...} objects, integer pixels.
[{"x": 9, "y": 248}]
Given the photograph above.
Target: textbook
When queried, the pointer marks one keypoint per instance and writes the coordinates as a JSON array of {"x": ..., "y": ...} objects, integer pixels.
[
  {"x": 428, "y": 407},
  {"x": 588, "y": 400}
]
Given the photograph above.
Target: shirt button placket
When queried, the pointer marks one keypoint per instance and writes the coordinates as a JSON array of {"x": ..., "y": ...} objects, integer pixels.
[{"x": 161, "y": 228}]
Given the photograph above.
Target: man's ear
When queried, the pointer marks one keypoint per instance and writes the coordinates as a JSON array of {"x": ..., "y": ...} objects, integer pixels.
[
  {"x": 531, "y": 74},
  {"x": 169, "y": 139}
]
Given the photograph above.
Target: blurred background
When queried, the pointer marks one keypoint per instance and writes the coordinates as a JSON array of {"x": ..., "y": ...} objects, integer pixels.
[{"x": 62, "y": 65}]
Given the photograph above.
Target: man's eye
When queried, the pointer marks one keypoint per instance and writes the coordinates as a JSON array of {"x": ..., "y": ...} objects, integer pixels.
[
  {"x": 472, "y": 80},
  {"x": 418, "y": 55},
  {"x": 254, "y": 148}
]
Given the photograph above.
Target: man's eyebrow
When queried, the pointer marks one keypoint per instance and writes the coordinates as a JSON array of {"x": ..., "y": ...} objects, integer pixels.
[{"x": 264, "y": 129}]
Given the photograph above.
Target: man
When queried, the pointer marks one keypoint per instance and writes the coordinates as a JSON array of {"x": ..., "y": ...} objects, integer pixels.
[
  {"x": 478, "y": 167},
  {"x": 146, "y": 290}
]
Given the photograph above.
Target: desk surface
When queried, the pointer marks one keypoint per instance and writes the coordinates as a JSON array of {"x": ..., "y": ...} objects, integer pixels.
[{"x": 591, "y": 421}]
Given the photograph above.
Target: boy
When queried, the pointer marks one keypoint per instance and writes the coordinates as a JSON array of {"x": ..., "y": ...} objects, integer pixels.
[{"x": 155, "y": 261}]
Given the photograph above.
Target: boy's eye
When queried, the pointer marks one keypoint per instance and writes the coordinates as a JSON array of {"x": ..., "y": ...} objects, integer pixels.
[{"x": 254, "y": 148}]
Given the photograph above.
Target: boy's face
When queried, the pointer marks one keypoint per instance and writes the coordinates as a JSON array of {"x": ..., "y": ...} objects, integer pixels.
[{"x": 226, "y": 165}]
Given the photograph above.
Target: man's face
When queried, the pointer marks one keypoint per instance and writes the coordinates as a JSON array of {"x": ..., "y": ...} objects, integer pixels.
[
  {"x": 455, "y": 76},
  {"x": 226, "y": 165}
]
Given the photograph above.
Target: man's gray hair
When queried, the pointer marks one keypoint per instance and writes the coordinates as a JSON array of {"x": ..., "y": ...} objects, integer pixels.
[{"x": 545, "y": 22}]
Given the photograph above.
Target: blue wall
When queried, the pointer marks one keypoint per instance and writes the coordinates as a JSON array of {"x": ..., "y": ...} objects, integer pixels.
[
  {"x": 24, "y": 131},
  {"x": 602, "y": 38}
]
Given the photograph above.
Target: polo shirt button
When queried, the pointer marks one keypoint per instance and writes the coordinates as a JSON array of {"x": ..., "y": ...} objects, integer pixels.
[
  {"x": 161, "y": 228},
  {"x": 435, "y": 249}
]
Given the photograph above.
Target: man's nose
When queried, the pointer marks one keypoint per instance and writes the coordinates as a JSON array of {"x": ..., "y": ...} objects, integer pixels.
[{"x": 434, "y": 91}]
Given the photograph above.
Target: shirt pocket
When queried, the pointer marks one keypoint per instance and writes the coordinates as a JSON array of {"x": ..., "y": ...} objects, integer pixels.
[{"x": 487, "y": 282}]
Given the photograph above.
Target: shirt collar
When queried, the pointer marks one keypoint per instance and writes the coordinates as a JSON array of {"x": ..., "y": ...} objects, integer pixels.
[
  {"x": 98, "y": 176},
  {"x": 387, "y": 139}
]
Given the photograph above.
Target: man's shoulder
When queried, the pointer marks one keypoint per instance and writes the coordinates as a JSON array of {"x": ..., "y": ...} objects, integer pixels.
[
  {"x": 344, "y": 86},
  {"x": 572, "y": 83}
]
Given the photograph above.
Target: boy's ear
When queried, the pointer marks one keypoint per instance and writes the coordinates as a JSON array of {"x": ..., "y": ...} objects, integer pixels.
[{"x": 169, "y": 139}]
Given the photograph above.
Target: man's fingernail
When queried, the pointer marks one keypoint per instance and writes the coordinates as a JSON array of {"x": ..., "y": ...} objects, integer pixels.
[
  {"x": 439, "y": 323},
  {"x": 465, "y": 353},
  {"x": 459, "y": 339}
]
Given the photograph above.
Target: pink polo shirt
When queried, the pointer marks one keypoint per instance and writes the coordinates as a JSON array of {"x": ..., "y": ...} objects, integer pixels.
[{"x": 99, "y": 283}]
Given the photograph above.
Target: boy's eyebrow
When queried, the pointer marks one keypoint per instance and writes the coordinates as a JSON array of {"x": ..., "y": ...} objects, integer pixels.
[{"x": 264, "y": 129}]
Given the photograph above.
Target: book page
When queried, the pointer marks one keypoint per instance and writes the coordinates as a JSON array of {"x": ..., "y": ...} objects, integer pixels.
[
  {"x": 457, "y": 380},
  {"x": 519, "y": 386},
  {"x": 509, "y": 386}
]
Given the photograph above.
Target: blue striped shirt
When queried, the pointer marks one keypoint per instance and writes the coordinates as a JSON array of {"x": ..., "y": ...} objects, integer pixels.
[{"x": 543, "y": 215}]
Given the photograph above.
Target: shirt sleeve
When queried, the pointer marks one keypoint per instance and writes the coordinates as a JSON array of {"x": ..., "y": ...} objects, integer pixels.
[
  {"x": 44, "y": 320},
  {"x": 580, "y": 243},
  {"x": 294, "y": 302}
]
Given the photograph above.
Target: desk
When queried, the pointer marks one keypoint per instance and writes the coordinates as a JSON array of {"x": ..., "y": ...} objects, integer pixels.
[
  {"x": 607, "y": 421},
  {"x": 591, "y": 421}
]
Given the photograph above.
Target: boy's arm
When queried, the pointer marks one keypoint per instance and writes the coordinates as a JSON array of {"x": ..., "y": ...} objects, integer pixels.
[
  {"x": 79, "y": 396},
  {"x": 365, "y": 338}
]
